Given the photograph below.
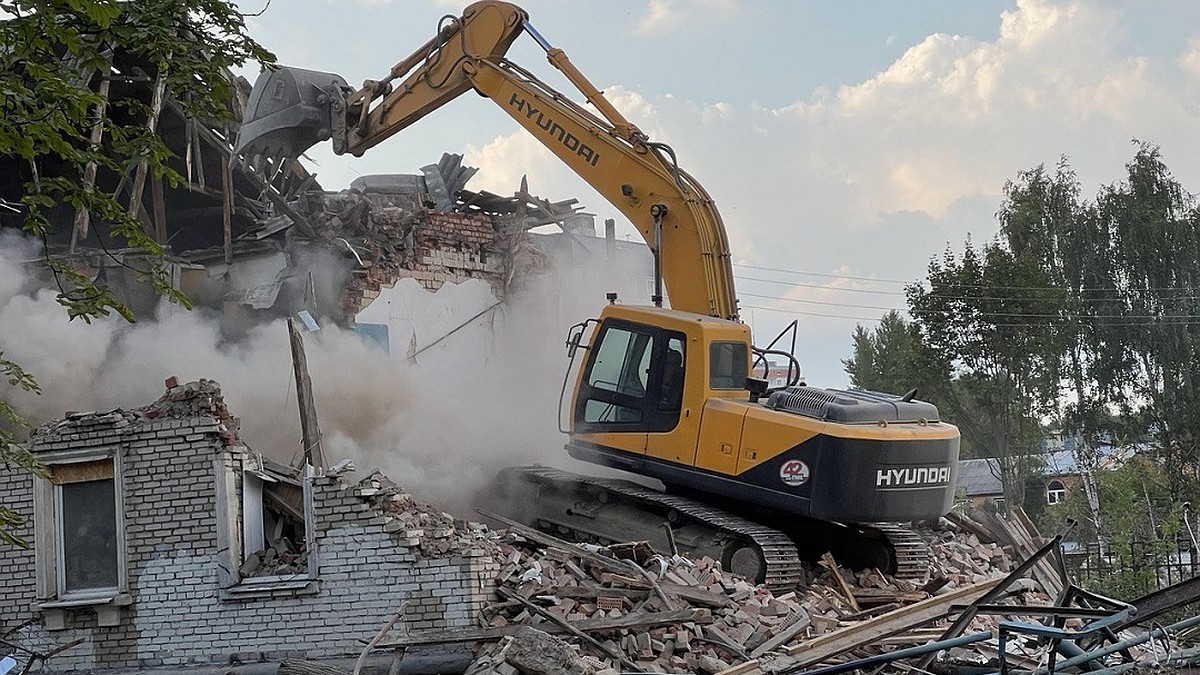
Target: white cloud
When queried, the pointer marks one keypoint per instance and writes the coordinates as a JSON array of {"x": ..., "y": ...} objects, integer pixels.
[
  {"x": 670, "y": 15},
  {"x": 1189, "y": 61}
]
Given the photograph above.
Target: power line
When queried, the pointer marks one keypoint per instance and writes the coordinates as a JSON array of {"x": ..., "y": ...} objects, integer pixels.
[
  {"x": 818, "y": 274},
  {"x": 1026, "y": 298},
  {"x": 816, "y": 314},
  {"x": 1023, "y": 326},
  {"x": 1188, "y": 289},
  {"x": 1142, "y": 319}
]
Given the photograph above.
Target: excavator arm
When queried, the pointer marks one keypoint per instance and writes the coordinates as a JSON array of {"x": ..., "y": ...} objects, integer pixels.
[{"x": 290, "y": 110}]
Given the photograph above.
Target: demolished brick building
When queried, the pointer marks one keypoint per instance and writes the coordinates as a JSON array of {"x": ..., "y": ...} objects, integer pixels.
[
  {"x": 149, "y": 538},
  {"x": 195, "y": 550}
]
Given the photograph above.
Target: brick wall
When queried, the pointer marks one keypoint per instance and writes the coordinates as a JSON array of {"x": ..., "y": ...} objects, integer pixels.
[
  {"x": 433, "y": 247},
  {"x": 16, "y": 492},
  {"x": 367, "y": 565}
]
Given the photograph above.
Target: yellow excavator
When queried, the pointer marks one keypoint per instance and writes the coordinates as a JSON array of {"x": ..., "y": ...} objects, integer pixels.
[{"x": 755, "y": 478}]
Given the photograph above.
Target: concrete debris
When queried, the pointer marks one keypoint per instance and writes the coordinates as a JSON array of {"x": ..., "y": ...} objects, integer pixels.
[
  {"x": 533, "y": 652},
  {"x": 432, "y": 532},
  {"x": 572, "y": 608},
  {"x": 287, "y": 558}
]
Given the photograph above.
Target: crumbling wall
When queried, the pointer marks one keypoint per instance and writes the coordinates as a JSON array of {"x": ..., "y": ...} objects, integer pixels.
[
  {"x": 395, "y": 237},
  {"x": 178, "y": 467}
]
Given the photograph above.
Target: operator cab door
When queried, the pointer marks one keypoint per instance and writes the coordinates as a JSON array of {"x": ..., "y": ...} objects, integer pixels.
[{"x": 631, "y": 385}]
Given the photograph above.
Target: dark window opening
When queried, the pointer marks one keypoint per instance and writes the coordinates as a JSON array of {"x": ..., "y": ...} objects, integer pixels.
[{"x": 728, "y": 365}]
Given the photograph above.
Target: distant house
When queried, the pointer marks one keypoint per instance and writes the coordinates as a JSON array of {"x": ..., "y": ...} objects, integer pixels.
[
  {"x": 979, "y": 483},
  {"x": 1065, "y": 468},
  {"x": 1063, "y": 471}
]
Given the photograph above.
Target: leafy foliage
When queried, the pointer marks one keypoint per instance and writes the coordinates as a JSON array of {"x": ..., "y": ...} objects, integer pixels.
[
  {"x": 54, "y": 57},
  {"x": 892, "y": 358},
  {"x": 11, "y": 453},
  {"x": 1081, "y": 314}
]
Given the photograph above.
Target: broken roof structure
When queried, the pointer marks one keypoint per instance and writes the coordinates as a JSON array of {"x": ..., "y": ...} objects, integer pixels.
[{"x": 264, "y": 238}]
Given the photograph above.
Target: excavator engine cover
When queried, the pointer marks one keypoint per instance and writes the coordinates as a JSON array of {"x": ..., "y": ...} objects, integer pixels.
[
  {"x": 855, "y": 406},
  {"x": 288, "y": 112}
]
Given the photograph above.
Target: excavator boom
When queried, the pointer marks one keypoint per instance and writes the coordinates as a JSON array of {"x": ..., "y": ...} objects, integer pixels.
[
  {"x": 661, "y": 393},
  {"x": 291, "y": 109}
]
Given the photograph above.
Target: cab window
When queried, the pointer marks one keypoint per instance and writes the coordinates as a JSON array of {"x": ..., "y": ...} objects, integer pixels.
[
  {"x": 622, "y": 362},
  {"x": 635, "y": 380},
  {"x": 728, "y": 365}
]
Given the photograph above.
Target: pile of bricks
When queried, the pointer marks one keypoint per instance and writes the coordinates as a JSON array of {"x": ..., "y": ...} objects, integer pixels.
[
  {"x": 962, "y": 558},
  {"x": 201, "y": 398},
  {"x": 741, "y": 620},
  {"x": 630, "y": 608},
  {"x": 432, "y": 532}
]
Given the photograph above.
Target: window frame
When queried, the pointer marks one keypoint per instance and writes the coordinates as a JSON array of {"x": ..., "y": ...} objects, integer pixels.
[
  {"x": 49, "y": 558},
  {"x": 712, "y": 363},
  {"x": 1056, "y": 495},
  {"x": 652, "y": 418},
  {"x": 233, "y": 514}
]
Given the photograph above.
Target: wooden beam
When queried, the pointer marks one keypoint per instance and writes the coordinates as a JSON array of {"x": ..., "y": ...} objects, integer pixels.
[
  {"x": 83, "y": 216},
  {"x": 831, "y": 564},
  {"x": 265, "y": 188},
  {"x": 698, "y": 596},
  {"x": 139, "y": 179},
  {"x": 158, "y": 198},
  {"x": 227, "y": 208},
  {"x": 820, "y": 648},
  {"x": 473, "y": 634},
  {"x": 311, "y": 431}
]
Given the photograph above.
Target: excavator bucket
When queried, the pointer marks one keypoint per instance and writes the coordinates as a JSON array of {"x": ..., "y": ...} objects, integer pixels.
[{"x": 288, "y": 112}]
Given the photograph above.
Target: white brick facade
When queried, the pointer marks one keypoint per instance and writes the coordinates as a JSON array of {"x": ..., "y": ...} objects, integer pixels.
[{"x": 176, "y": 556}]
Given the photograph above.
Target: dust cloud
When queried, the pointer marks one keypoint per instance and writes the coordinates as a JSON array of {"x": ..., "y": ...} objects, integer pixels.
[{"x": 440, "y": 427}]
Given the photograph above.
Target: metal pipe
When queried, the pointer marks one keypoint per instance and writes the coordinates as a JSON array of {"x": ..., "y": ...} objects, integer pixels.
[
  {"x": 536, "y": 35},
  {"x": 920, "y": 650},
  {"x": 658, "y": 211},
  {"x": 1188, "y": 657},
  {"x": 1119, "y": 646}
]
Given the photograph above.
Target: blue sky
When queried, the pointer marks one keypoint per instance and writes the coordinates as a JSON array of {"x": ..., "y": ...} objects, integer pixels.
[{"x": 845, "y": 143}]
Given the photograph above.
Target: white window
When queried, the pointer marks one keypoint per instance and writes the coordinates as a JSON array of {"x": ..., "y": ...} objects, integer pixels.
[
  {"x": 1056, "y": 492},
  {"x": 80, "y": 537},
  {"x": 267, "y": 535}
]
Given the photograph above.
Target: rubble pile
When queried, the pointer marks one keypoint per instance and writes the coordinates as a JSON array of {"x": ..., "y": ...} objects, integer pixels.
[
  {"x": 284, "y": 559},
  {"x": 381, "y": 228},
  {"x": 432, "y": 532},
  {"x": 961, "y": 556},
  {"x": 195, "y": 399},
  {"x": 201, "y": 398},
  {"x": 670, "y": 613},
  {"x": 580, "y": 609}
]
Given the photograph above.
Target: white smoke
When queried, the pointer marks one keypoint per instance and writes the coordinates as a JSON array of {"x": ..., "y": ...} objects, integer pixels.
[{"x": 484, "y": 398}]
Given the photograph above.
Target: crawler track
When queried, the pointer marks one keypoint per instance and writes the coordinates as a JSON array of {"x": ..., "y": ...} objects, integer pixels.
[
  {"x": 783, "y": 567},
  {"x": 612, "y": 510}
]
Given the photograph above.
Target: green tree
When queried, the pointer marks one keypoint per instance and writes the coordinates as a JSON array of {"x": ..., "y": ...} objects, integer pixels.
[
  {"x": 1151, "y": 346},
  {"x": 892, "y": 358},
  {"x": 993, "y": 315},
  {"x": 57, "y": 57}
]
